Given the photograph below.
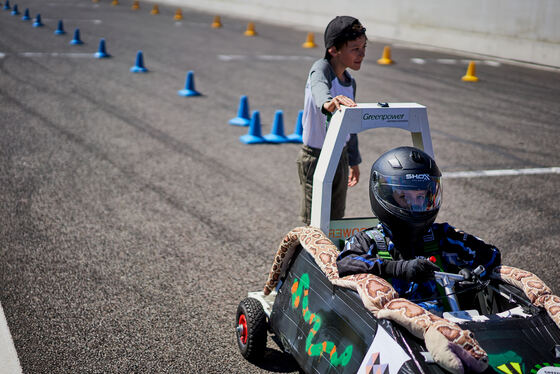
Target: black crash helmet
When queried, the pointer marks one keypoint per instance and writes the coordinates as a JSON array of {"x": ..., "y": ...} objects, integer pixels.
[{"x": 405, "y": 192}]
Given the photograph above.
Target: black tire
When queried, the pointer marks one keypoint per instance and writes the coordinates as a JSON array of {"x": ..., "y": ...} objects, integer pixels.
[{"x": 251, "y": 329}]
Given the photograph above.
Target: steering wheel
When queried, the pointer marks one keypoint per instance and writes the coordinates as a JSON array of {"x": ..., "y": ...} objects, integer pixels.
[{"x": 448, "y": 280}]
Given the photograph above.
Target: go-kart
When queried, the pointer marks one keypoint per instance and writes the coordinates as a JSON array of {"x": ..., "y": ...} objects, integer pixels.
[{"x": 508, "y": 323}]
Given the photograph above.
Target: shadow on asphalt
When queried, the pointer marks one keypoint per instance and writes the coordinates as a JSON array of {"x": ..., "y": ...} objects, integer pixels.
[{"x": 278, "y": 362}]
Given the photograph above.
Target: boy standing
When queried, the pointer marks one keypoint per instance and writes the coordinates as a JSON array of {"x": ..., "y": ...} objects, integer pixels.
[{"x": 329, "y": 85}]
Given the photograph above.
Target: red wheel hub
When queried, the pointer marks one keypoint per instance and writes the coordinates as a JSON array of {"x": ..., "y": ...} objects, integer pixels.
[{"x": 242, "y": 329}]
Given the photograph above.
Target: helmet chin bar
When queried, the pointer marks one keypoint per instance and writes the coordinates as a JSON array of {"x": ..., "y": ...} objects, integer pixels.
[
  {"x": 411, "y": 117},
  {"x": 405, "y": 230},
  {"x": 406, "y": 236}
]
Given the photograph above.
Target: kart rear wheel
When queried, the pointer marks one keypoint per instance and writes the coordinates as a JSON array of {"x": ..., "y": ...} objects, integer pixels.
[{"x": 251, "y": 329}]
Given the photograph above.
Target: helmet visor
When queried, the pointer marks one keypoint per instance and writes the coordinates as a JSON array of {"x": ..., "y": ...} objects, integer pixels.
[{"x": 413, "y": 193}]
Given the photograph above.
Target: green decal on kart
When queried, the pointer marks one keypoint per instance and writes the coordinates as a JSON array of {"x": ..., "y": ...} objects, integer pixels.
[
  {"x": 300, "y": 294},
  {"x": 510, "y": 368},
  {"x": 510, "y": 362},
  {"x": 507, "y": 362}
]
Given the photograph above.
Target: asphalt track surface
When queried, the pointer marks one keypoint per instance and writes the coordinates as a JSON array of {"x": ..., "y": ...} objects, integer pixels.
[{"x": 133, "y": 221}]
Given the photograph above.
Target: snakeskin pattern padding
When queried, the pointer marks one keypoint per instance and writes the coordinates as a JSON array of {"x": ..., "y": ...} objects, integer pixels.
[{"x": 534, "y": 288}]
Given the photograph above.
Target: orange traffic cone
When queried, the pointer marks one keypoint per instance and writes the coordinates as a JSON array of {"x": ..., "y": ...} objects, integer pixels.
[
  {"x": 155, "y": 9},
  {"x": 470, "y": 76},
  {"x": 135, "y": 5},
  {"x": 217, "y": 23},
  {"x": 386, "y": 58},
  {"x": 115, "y": 2},
  {"x": 178, "y": 15},
  {"x": 250, "y": 29},
  {"x": 310, "y": 42}
]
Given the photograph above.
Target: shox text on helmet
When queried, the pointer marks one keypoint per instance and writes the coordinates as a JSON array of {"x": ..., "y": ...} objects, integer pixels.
[{"x": 418, "y": 177}]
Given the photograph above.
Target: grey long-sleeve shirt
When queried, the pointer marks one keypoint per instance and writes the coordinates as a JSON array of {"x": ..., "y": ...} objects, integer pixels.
[{"x": 322, "y": 85}]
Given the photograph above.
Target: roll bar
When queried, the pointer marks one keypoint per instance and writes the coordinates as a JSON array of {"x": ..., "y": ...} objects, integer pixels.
[{"x": 407, "y": 116}]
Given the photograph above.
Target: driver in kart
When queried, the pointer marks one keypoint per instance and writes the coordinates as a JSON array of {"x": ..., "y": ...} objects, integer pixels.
[{"x": 407, "y": 246}]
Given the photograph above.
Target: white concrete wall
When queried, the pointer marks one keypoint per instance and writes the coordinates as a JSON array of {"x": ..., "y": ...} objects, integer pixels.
[{"x": 523, "y": 30}]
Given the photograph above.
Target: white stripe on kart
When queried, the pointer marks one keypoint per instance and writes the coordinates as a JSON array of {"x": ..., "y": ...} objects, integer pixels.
[
  {"x": 503, "y": 172},
  {"x": 9, "y": 361}
]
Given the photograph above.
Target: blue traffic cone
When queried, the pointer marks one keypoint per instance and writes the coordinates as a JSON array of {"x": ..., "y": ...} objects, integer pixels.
[
  {"x": 139, "y": 65},
  {"x": 277, "y": 133},
  {"x": 296, "y": 136},
  {"x": 101, "y": 51},
  {"x": 7, "y": 5},
  {"x": 76, "y": 39},
  {"x": 254, "y": 136},
  {"x": 37, "y": 22},
  {"x": 242, "y": 118},
  {"x": 60, "y": 29},
  {"x": 26, "y": 15},
  {"x": 15, "y": 10},
  {"x": 189, "y": 86}
]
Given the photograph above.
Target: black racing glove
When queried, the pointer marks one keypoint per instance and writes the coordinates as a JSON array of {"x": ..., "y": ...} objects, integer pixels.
[{"x": 417, "y": 270}]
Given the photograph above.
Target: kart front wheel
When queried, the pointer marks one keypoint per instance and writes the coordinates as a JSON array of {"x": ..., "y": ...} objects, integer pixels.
[{"x": 251, "y": 329}]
